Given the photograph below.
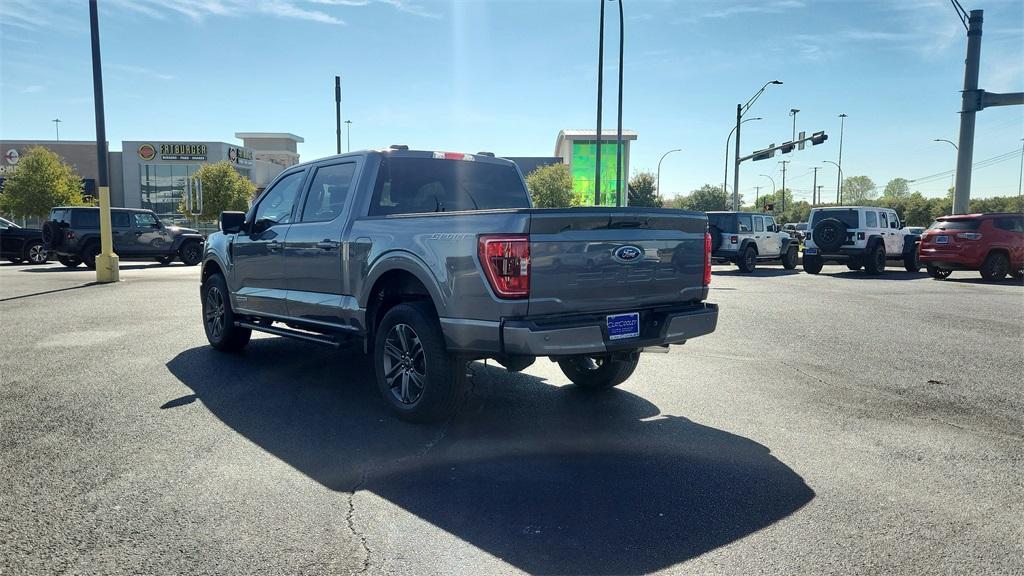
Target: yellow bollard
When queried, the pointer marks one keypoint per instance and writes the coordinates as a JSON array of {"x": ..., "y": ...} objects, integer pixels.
[{"x": 107, "y": 262}]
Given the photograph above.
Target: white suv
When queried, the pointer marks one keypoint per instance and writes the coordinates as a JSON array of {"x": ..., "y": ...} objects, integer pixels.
[
  {"x": 858, "y": 236},
  {"x": 746, "y": 238}
]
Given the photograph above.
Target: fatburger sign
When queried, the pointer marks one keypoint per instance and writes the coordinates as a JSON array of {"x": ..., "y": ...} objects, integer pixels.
[{"x": 147, "y": 152}]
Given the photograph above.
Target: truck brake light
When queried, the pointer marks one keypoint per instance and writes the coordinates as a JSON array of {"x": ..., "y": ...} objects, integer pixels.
[
  {"x": 707, "y": 259},
  {"x": 506, "y": 263}
]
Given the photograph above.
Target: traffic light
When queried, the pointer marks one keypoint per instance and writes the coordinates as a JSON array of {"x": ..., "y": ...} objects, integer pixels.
[
  {"x": 786, "y": 147},
  {"x": 764, "y": 154},
  {"x": 818, "y": 138}
]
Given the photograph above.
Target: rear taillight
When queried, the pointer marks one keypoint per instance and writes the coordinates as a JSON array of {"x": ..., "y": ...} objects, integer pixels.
[
  {"x": 71, "y": 235},
  {"x": 707, "y": 259},
  {"x": 506, "y": 263},
  {"x": 733, "y": 239},
  {"x": 969, "y": 235},
  {"x": 860, "y": 235}
]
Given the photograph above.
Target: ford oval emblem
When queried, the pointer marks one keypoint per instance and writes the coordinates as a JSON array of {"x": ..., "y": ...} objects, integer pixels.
[{"x": 628, "y": 254}]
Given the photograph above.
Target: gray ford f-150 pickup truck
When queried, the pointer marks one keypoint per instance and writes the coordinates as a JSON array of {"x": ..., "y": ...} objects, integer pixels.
[{"x": 433, "y": 259}]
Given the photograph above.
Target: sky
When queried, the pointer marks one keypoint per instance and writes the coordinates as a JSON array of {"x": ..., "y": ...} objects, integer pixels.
[{"x": 506, "y": 76}]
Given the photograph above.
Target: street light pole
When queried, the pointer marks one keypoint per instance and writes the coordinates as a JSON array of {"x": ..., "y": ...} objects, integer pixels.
[
  {"x": 107, "y": 269},
  {"x": 56, "y": 124},
  {"x": 839, "y": 197},
  {"x": 725, "y": 179},
  {"x": 659, "y": 166},
  {"x": 337, "y": 110},
  {"x": 952, "y": 184},
  {"x": 600, "y": 86},
  {"x": 618, "y": 133},
  {"x": 814, "y": 187},
  {"x": 742, "y": 109},
  {"x": 793, "y": 112},
  {"x": 839, "y": 182},
  {"x": 773, "y": 187},
  {"x": 348, "y": 135},
  {"x": 783, "y": 202}
]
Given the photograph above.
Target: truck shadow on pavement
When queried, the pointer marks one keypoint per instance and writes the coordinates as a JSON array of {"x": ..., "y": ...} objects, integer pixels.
[
  {"x": 759, "y": 271},
  {"x": 551, "y": 479}
]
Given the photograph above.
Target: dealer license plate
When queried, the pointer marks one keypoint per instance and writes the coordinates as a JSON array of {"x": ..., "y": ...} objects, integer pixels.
[{"x": 623, "y": 326}]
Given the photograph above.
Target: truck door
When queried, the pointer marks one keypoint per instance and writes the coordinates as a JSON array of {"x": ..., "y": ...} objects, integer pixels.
[
  {"x": 258, "y": 276},
  {"x": 314, "y": 250},
  {"x": 773, "y": 237}
]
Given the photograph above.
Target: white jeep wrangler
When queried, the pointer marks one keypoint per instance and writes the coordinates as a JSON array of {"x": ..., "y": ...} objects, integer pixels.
[
  {"x": 746, "y": 238},
  {"x": 860, "y": 237}
]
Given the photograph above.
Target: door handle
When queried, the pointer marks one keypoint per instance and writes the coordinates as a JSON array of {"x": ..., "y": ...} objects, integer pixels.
[
  {"x": 273, "y": 246},
  {"x": 328, "y": 245}
]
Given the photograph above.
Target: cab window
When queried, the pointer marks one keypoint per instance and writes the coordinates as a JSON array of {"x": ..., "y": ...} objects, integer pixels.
[
  {"x": 883, "y": 220},
  {"x": 277, "y": 204},
  {"x": 758, "y": 224},
  {"x": 871, "y": 219},
  {"x": 745, "y": 222},
  {"x": 145, "y": 220},
  {"x": 119, "y": 219},
  {"x": 894, "y": 221}
]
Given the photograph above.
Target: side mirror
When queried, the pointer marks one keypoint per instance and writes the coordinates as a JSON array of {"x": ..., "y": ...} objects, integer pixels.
[{"x": 232, "y": 222}]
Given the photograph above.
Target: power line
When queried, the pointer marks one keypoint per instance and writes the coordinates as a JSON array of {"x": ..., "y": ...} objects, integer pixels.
[
  {"x": 961, "y": 13},
  {"x": 980, "y": 164}
]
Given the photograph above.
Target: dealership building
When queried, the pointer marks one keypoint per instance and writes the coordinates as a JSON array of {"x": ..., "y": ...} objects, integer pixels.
[{"x": 153, "y": 173}]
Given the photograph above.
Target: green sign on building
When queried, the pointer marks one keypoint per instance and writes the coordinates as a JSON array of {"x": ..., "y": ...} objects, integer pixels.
[{"x": 583, "y": 162}]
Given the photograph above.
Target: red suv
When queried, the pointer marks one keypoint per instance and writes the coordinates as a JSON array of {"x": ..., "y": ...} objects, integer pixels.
[{"x": 990, "y": 243}]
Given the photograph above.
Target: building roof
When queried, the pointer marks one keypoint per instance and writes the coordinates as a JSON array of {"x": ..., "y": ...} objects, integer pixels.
[
  {"x": 275, "y": 135},
  {"x": 564, "y": 135}
]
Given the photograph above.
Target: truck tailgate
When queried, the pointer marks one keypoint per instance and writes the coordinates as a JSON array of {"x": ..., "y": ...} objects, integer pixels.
[{"x": 609, "y": 260}]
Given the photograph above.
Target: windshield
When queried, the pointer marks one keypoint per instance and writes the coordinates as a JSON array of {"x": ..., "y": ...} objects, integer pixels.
[
  {"x": 964, "y": 224},
  {"x": 418, "y": 185},
  {"x": 847, "y": 216}
]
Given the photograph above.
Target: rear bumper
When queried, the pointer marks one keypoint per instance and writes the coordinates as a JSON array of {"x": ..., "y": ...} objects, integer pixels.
[
  {"x": 588, "y": 334},
  {"x": 951, "y": 260}
]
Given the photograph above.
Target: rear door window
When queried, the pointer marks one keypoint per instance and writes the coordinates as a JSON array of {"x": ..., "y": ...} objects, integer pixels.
[
  {"x": 746, "y": 224},
  {"x": 327, "y": 193},
  {"x": 870, "y": 219},
  {"x": 119, "y": 219},
  {"x": 86, "y": 219},
  {"x": 758, "y": 224}
]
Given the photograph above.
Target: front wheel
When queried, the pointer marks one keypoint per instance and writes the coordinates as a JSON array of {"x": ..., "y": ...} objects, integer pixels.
[
  {"x": 996, "y": 266},
  {"x": 14, "y": 260},
  {"x": 191, "y": 253},
  {"x": 219, "y": 318},
  {"x": 789, "y": 260},
  {"x": 36, "y": 254},
  {"x": 938, "y": 273},
  {"x": 604, "y": 371},
  {"x": 813, "y": 264},
  {"x": 417, "y": 376},
  {"x": 165, "y": 260}
]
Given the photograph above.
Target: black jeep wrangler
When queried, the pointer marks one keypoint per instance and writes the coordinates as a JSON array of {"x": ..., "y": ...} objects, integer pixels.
[{"x": 72, "y": 233}]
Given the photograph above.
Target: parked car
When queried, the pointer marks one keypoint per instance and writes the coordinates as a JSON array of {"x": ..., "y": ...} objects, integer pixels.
[
  {"x": 430, "y": 259},
  {"x": 991, "y": 243},
  {"x": 797, "y": 230},
  {"x": 916, "y": 230},
  {"x": 19, "y": 244},
  {"x": 746, "y": 238},
  {"x": 858, "y": 236},
  {"x": 73, "y": 234}
]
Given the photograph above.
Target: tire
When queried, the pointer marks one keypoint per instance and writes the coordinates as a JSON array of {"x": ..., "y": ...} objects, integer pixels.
[
  {"x": 89, "y": 254},
  {"x": 164, "y": 260},
  {"x": 418, "y": 378},
  {"x": 910, "y": 262},
  {"x": 599, "y": 372},
  {"x": 1018, "y": 274},
  {"x": 14, "y": 260},
  {"x": 874, "y": 263},
  {"x": 53, "y": 235},
  {"x": 716, "y": 237},
  {"x": 36, "y": 254},
  {"x": 747, "y": 260},
  {"x": 829, "y": 234},
  {"x": 996, "y": 267},
  {"x": 69, "y": 261},
  {"x": 854, "y": 265},
  {"x": 789, "y": 259},
  {"x": 219, "y": 318},
  {"x": 813, "y": 264},
  {"x": 938, "y": 273},
  {"x": 191, "y": 253}
]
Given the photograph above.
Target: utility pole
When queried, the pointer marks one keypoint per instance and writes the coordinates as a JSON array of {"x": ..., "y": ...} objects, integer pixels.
[
  {"x": 820, "y": 186},
  {"x": 348, "y": 135},
  {"x": 742, "y": 109},
  {"x": 600, "y": 86},
  {"x": 618, "y": 133},
  {"x": 337, "y": 110},
  {"x": 793, "y": 112},
  {"x": 814, "y": 187},
  {"x": 107, "y": 269},
  {"x": 757, "y": 195},
  {"x": 839, "y": 165},
  {"x": 56, "y": 124},
  {"x": 783, "y": 201}
]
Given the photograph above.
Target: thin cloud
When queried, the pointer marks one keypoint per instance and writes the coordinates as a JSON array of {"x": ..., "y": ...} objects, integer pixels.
[
  {"x": 32, "y": 89},
  {"x": 773, "y": 7},
  {"x": 406, "y": 6},
  {"x": 140, "y": 71}
]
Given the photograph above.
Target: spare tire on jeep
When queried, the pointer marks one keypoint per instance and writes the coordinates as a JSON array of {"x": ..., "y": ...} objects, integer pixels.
[
  {"x": 716, "y": 237},
  {"x": 829, "y": 234},
  {"x": 53, "y": 235}
]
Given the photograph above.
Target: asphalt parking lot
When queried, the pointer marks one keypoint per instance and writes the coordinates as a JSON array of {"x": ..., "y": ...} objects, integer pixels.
[{"x": 832, "y": 424}]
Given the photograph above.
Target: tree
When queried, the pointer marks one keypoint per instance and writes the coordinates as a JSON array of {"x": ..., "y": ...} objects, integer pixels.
[
  {"x": 704, "y": 199},
  {"x": 643, "y": 191},
  {"x": 858, "y": 190},
  {"x": 768, "y": 198},
  {"x": 551, "y": 187},
  {"x": 40, "y": 181},
  {"x": 897, "y": 188},
  {"x": 224, "y": 189}
]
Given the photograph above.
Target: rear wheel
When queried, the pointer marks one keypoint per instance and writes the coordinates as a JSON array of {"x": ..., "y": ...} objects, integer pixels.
[
  {"x": 69, "y": 261},
  {"x": 996, "y": 266},
  {"x": 938, "y": 273},
  {"x": 89, "y": 255},
  {"x": 596, "y": 372},
  {"x": 14, "y": 260},
  {"x": 36, "y": 254},
  {"x": 910, "y": 262},
  {"x": 417, "y": 376},
  {"x": 854, "y": 265},
  {"x": 874, "y": 262},
  {"x": 789, "y": 259},
  {"x": 748, "y": 260},
  {"x": 191, "y": 253},
  {"x": 812, "y": 264},
  {"x": 219, "y": 318}
]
